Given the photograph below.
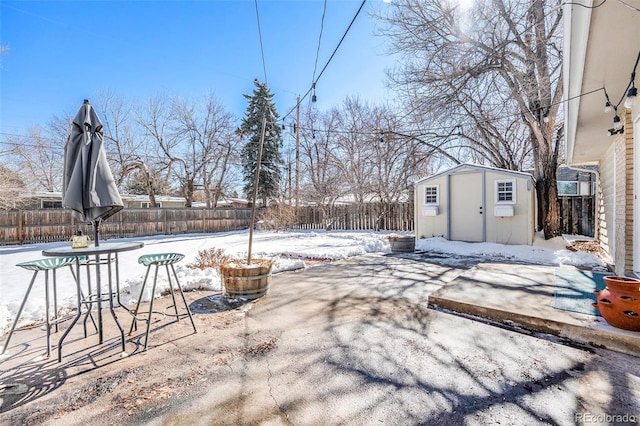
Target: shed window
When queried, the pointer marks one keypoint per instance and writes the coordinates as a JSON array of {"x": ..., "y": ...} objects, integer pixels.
[
  {"x": 431, "y": 195},
  {"x": 506, "y": 191}
]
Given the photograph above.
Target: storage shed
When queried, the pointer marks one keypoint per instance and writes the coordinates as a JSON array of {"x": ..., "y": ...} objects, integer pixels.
[{"x": 476, "y": 204}]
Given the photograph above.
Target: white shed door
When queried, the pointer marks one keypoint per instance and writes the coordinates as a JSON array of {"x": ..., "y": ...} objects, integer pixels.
[{"x": 467, "y": 217}]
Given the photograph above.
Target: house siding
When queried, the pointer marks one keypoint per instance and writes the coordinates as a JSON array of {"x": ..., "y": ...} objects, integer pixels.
[
  {"x": 615, "y": 202},
  {"x": 620, "y": 205},
  {"x": 629, "y": 204},
  {"x": 606, "y": 201}
]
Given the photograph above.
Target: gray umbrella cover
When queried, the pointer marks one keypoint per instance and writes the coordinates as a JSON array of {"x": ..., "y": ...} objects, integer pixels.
[{"x": 88, "y": 185}]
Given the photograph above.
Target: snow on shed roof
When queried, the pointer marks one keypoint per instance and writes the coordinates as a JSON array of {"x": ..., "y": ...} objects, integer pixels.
[{"x": 478, "y": 167}]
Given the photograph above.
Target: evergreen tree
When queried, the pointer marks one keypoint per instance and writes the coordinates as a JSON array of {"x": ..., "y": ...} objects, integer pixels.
[{"x": 261, "y": 105}]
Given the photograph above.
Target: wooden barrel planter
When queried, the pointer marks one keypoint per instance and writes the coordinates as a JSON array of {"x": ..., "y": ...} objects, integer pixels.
[
  {"x": 619, "y": 302},
  {"x": 248, "y": 281},
  {"x": 402, "y": 243}
]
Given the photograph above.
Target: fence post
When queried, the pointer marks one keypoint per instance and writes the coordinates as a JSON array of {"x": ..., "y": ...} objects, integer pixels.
[
  {"x": 164, "y": 222},
  {"x": 20, "y": 227}
]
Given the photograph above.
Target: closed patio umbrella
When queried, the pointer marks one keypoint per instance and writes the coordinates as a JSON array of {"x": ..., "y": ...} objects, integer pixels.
[{"x": 88, "y": 185}]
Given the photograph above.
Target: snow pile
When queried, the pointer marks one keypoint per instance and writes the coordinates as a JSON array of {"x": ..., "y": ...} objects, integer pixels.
[{"x": 542, "y": 252}]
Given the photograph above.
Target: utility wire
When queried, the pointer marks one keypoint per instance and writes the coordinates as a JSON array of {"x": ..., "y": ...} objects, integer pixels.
[
  {"x": 363, "y": 132},
  {"x": 315, "y": 65},
  {"x": 328, "y": 62},
  {"x": 341, "y": 40},
  {"x": 264, "y": 64}
]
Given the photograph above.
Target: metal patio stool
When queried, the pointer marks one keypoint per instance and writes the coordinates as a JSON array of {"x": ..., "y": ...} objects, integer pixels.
[
  {"x": 158, "y": 259},
  {"x": 46, "y": 265}
]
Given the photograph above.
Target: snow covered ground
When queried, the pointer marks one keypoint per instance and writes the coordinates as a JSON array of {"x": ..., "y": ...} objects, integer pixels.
[{"x": 290, "y": 250}]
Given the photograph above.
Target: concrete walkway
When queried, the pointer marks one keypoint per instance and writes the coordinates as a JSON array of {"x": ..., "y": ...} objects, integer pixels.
[
  {"x": 352, "y": 342},
  {"x": 523, "y": 296}
]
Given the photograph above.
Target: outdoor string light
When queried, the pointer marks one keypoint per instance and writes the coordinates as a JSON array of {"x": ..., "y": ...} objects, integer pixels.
[
  {"x": 630, "y": 98},
  {"x": 616, "y": 122}
]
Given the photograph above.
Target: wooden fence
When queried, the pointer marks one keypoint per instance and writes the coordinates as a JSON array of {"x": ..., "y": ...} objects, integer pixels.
[
  {"x": 40, "y": 226},
  {"x": 372, "y": 216},
  {"x": 577, "y": 215}
]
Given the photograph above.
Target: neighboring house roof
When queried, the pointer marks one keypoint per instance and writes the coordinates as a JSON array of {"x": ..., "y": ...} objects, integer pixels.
[
  {"x": 459, "y": 167},
  {"x": 368, "y": 198},
  {"x": 600, "y": 48}
]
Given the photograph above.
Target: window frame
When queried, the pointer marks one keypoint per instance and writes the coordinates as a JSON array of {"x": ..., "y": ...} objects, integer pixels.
[
  {"x": 496, "y": 193},
  {"x": 577, "y": 186},
  {"x": 437, "y": 195}
]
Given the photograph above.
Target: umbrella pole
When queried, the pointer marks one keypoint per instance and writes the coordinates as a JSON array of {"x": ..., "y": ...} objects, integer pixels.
[{"x": 96, "y": 232}]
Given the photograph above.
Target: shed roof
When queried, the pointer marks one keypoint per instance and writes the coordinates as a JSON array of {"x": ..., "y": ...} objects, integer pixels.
[{"x": 478, "y": 167}]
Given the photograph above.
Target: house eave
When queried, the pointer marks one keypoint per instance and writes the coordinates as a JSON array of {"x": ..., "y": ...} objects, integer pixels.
[{"x": 600, "y": 49}]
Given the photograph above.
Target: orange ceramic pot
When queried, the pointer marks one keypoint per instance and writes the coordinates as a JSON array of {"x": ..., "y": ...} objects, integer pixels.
[{"x": 619, "y": 302}]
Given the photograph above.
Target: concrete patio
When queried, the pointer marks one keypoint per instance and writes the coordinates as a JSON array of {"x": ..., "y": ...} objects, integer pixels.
[{"x": 351, "y": 342}]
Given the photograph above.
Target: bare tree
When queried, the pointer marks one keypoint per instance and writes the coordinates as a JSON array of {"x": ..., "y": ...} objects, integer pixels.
[
  {"x": 38, "y": 160},
  {"x": 353, "y": 150},
  {"x": 12, "y": 190},
  {"x": 154, "y": 118},
  {"x": 322, "y": 182},
  {"x": 130, "y": 151},
  {"x": 217, "y": 137},
  {"x": 196, "y": 143},
  {"x": 493, "y": 71}
]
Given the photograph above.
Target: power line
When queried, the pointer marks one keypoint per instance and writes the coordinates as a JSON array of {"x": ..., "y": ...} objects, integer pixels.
[
  {"x": 315, "y": 65},
  {"x": 341, "y": 40},
  {"x": 264, "y": 65},
  {"x": 328, "y": 62},
  {"x": 376, "y": 131}
]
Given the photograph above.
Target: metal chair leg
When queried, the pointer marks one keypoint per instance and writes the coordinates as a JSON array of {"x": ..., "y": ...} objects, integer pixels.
[
  {"x": 158, "y": 259},
  {"x": 155, "y": 281},
  {"x": 173, "y": 297},
  {"x": 15, "y": 322},
  {"x": 55, "y": 301},
  {"x": 184, "y": 300},
  {"x": 134, "y": 323}
]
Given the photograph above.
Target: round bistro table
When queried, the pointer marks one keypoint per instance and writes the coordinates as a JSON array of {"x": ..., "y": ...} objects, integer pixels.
[{"x": 97, "y": 255}]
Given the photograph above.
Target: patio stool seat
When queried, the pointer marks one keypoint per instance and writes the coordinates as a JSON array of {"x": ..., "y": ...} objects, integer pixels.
[
  {"x": 46, "y": 265},
  {"x": 167, "y": 260}
]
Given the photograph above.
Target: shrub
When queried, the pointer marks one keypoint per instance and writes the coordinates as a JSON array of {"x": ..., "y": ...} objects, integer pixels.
[
  {"x": 210, "y": 258},
  {"x": 278, "y": 217}
]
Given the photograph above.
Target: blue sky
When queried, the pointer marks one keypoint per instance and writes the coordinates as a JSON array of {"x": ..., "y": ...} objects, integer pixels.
[{"x": 61, "y": 52}]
